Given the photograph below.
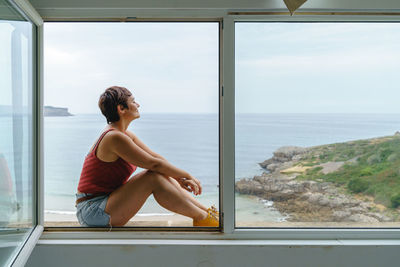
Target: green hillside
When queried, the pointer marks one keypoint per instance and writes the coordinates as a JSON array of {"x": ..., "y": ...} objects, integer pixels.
[{"x": 371, "y": 167}]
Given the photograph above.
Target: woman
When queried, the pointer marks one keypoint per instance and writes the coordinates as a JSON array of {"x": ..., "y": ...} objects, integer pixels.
[{"x": 105, "y": 195}]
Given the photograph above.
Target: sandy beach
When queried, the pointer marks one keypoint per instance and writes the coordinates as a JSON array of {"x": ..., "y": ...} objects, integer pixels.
[{"x": 68, "y": 220}]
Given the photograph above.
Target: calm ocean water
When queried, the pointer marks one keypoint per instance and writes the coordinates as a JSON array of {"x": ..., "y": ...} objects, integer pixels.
[{"x": 190, "y": 141}]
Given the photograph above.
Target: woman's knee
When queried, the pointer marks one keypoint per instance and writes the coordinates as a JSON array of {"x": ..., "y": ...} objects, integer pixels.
[{"x": 156, "y": 178}]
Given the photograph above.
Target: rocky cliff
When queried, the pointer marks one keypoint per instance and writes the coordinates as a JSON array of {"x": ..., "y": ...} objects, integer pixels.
[{"x": 306, "y": 200}]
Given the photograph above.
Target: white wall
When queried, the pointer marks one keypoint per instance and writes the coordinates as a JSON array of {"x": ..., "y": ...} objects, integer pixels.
[{"x": 214, "y": 255}]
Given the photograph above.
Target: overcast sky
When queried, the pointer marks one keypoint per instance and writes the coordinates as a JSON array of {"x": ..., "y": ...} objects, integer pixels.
[
  {"x": 169, "y": 67},
  {"x": 318, "y": 67},
  {"x": 173, "y": 67}
]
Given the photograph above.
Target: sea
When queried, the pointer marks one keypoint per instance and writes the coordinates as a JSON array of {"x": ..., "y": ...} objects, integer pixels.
[{"x": 190, "y": 142}]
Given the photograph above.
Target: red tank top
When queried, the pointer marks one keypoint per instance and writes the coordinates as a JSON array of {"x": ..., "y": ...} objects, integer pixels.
[{"x": 99, "y": 177}]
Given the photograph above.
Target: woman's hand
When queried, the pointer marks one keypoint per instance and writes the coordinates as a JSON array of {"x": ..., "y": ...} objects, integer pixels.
[{"x": 190, "y": 184}]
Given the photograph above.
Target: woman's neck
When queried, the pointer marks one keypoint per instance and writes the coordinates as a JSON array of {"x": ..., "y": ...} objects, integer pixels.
[{"x": 120, "y": 125}]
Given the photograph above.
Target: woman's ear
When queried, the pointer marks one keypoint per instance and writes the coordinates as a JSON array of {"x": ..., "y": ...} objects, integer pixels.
[{"x": 120, "y": 108}]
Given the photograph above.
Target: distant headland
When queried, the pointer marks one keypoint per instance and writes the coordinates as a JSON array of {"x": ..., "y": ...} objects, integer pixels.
[{"x": 50, "y": 111}]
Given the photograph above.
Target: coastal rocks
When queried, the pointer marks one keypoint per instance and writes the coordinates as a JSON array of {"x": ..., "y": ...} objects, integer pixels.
[
  {"x": 340, "y": 215},
  {"x": 281, "y": 156},
  {"x": 288, "y": 152},
  {"x": 336, "y": 203},
  {"x": 271, "y": 167},
  {"x": 249, "y": 187},
  {"x": 362, "y": 218},
  {"x": 379, "y": 217},
  {"x": 306, "y": 200}
]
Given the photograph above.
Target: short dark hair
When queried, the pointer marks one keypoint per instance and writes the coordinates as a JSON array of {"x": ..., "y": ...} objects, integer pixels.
[{"x": 110, "y": 99}]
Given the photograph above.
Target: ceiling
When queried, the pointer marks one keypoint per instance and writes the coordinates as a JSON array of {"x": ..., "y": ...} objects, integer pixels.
[
  {"x": 213, "y": 4},
  {"x": 59, "y": 9}
]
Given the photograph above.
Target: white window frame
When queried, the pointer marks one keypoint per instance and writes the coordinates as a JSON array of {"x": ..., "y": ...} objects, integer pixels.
[
  {"x": 32, "y": 237},
  {"x": 134, "y": 20},
  {"x": 227, "y": 132}
]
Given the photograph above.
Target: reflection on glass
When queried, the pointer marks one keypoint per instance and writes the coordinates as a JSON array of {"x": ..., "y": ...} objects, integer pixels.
[
  {"x": 16, "y": 189},
  {"x": 8, "y": 204},
  {"x": 172, "y": 71},
  {"x": 317, "y": 125}
]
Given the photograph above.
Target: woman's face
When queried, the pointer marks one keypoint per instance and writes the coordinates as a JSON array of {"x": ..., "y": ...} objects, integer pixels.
[{"x": 133, "y": 108}]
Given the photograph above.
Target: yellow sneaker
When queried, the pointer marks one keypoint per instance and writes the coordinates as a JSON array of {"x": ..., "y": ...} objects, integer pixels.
[
  {"x": 213, "y": 210},
  {"x": 210, "y": 221}
]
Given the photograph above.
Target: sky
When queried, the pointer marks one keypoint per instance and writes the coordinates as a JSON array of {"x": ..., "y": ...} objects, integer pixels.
[
  {"x": 173, "y": 67},
  {"x": 317, "y": 67},
  {"x": 169, "y": 67}
]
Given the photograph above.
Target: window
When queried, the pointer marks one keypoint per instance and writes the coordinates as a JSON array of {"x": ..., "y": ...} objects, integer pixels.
[
  {"x": 250, "y": 123},
  {"x": 248, "y": 127},
  {"x": 17, "y": 209},
  {"x": 317, "y": 124},
  {"x": 172, "y": 70}
]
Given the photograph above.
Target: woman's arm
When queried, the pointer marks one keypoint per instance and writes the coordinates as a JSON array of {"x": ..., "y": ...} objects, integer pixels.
[{"x": 130, "y": 151}]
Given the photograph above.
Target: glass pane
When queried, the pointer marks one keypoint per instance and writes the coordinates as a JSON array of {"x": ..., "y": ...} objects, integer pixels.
[
  {"x": 172, "y": 71},
  {"x": 16, "y": 206},
  {"x": 317, "y": 125}
]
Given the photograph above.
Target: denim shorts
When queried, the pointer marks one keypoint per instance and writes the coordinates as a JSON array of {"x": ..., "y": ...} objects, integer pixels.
[{"x": 91, "y": 212}]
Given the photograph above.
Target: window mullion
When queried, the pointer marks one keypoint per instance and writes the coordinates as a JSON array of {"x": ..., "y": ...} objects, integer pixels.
[
  {"x": 39, "y": 126},
  {"x": 228, "y": 125}
]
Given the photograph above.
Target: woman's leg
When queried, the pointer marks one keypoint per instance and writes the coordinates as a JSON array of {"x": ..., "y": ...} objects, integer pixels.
[
  {"x": 126, "y": 201},
  {"x": 189, "y": 196}
]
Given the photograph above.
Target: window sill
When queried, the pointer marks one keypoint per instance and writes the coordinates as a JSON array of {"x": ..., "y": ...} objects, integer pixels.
[
  {"x": 246, "y": 242},
  {"x": 330, "y": 235}
]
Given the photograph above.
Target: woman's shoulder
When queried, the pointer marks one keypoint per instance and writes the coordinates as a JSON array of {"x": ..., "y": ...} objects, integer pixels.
[
  {"x": 115, "y": 135},
  {"x": 112, "y": 132},
  {"x": 130, "y": 134}
]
